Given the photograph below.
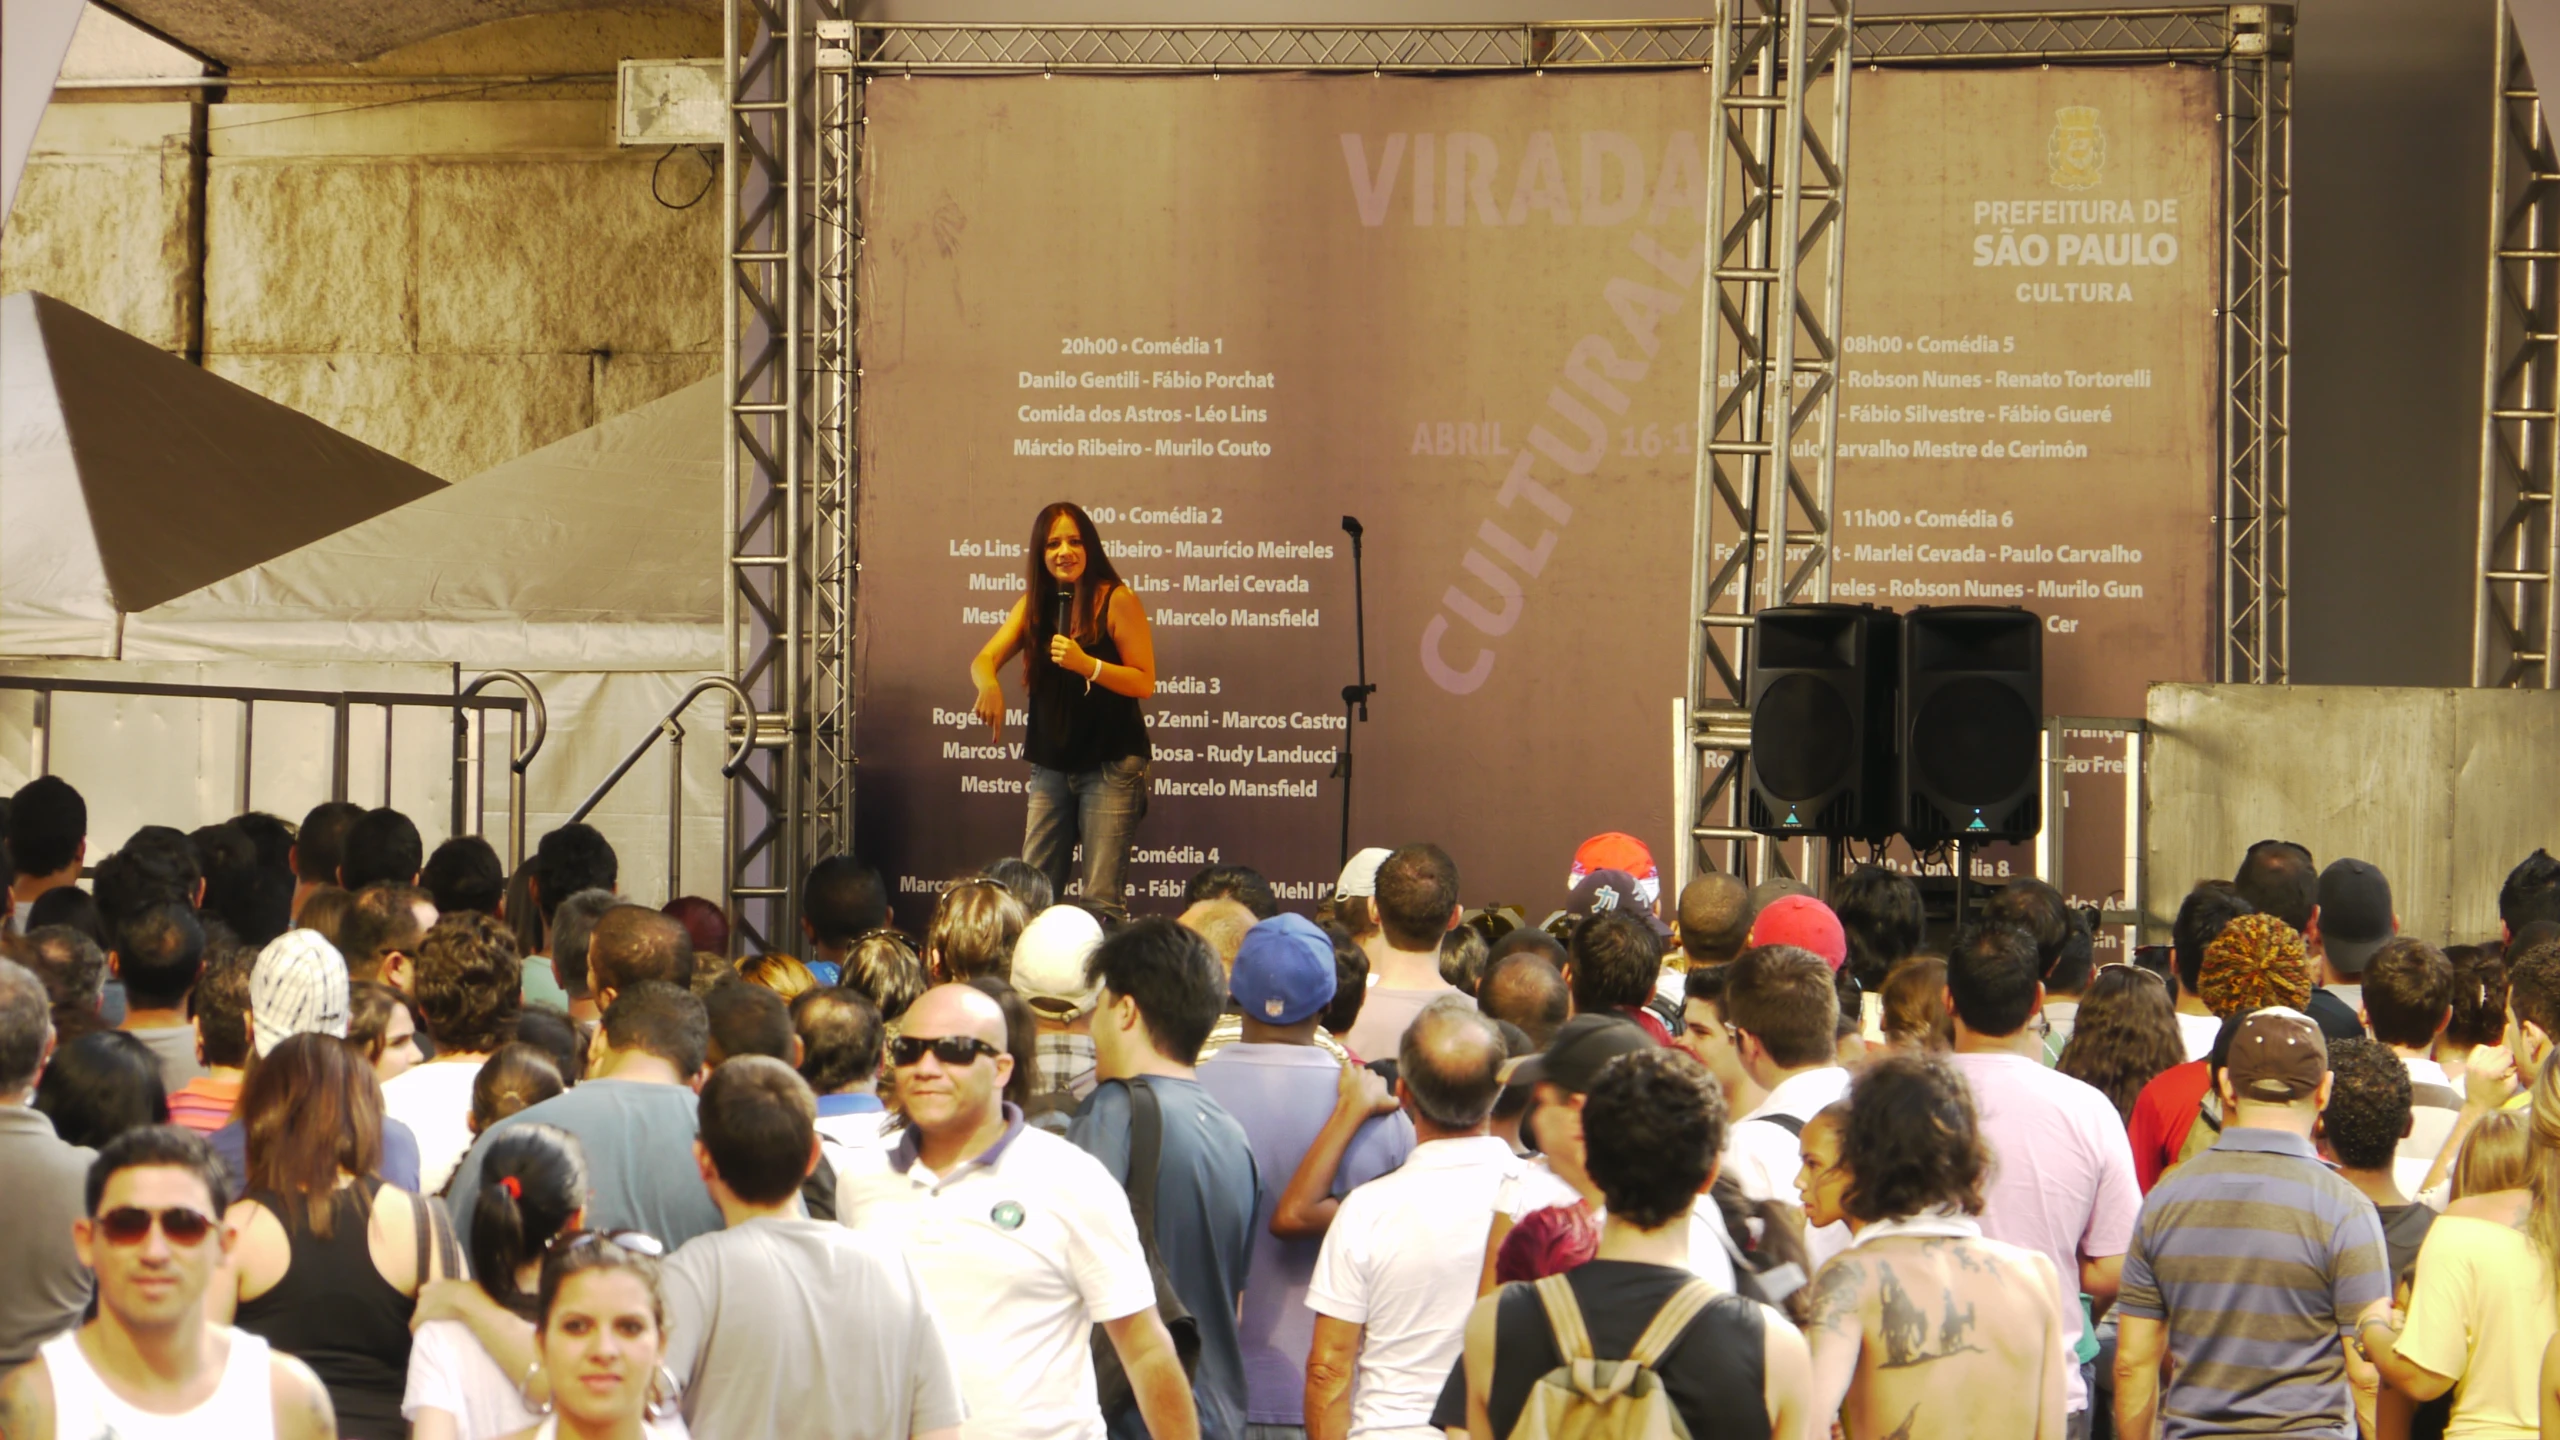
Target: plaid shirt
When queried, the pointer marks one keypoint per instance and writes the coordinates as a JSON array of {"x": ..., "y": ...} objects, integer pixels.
[{"x": 1062, "y": 1062}]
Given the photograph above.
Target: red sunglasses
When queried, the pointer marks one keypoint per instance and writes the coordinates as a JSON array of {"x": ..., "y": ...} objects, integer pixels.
[{"x": 131, "y": 1225}]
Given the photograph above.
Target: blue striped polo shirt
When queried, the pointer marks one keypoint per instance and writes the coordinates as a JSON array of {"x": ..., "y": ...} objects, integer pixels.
[{"x": 2259, "y": 1259}]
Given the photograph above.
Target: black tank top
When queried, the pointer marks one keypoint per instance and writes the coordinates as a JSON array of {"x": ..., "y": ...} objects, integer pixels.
[
  {"x": 1075, "y": 727},
  {"x": 1715, "y": 1372},
  {"x": 335, "y": 1313}
]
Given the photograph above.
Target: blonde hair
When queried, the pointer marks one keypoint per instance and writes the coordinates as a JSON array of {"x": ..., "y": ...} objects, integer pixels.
[
  {"x": 2493, "y": 1157},
  {"x": 781, "y": 974},
  {"x": 974, "y": 926},
  {"x": 2542, "y": 1166}
]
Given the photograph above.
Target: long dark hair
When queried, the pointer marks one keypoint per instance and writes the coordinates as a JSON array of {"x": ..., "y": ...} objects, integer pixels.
[
  {"x": 2124, "y": 1033},
  {"x": 512, "y": 1224},
  {"x": 312, "y": 1109},
  {"x": 1041, "y": 590}
]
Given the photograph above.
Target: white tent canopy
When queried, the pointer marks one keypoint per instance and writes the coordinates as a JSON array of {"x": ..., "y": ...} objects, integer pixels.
[
  {"x": 593, "y": 565},
  {"x": 129, "y": 477},
  {"x": 598, "y": 552}
]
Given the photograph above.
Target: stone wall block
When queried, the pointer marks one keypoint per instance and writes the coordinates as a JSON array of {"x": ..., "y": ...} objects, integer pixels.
[
  {"x": 310, "y": 256},
  {"x": 627, "y": 382},
  {"x": 566, "y": 255},
  {"x": 107, "y": 234},
  {"x": 450, "y": 415}
]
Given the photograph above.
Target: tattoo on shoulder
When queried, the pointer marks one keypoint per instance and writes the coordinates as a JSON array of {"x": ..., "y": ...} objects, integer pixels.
[
  {"x": 1836, "y": 1291},
  {"x": 16, "y": 1414},
  {"x": 1903, "y": 1430}
]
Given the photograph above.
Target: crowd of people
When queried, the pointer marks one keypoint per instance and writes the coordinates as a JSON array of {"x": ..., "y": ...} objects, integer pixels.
[{"x": 306, "y": 1131}]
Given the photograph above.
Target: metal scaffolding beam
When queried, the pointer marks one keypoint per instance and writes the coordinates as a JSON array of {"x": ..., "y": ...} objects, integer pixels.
[
  {"x": 776, "y": 466},
  {"x": 1768, "y": 398},
  {"x": 2257, "y": 346},
  {"x": 2514, "y": 621}
]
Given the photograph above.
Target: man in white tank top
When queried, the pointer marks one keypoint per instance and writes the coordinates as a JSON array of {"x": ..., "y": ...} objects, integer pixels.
[{"x": 151, "y": 1367}]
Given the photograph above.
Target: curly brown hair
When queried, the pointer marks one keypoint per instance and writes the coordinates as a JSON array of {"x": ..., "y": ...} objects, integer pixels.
[
  {"x": 1913, "y": 1142},
  {"x": 470, "y": 983},
  {"x": 2125, "y": 1033}
]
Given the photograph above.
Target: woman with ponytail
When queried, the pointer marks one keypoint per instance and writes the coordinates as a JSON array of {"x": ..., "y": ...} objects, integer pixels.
[
  {"x": 2484, "y": 1308},
  {"x": 533, "y": 1188}
]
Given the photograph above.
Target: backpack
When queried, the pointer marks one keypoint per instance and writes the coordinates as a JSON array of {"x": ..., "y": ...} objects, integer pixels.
[
  {"x": 1146, "y": 1151},
  {"x": 1589, "y": 1399},
  {"x": 2201, "y": 1134}
]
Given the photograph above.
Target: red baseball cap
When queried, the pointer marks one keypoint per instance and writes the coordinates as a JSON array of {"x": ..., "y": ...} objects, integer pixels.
[
  {"x": 1616, "y": 850},
  {"x": 1805, "y": 922}
]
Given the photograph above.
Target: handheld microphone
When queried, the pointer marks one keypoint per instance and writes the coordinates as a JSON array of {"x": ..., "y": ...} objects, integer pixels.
[{"x": 1062, "y": 611}]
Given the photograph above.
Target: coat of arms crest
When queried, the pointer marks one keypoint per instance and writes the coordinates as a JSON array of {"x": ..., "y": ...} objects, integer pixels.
[{"x": 2077, "y": 149}]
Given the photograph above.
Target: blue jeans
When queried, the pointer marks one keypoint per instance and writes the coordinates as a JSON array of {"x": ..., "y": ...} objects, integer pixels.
[{"x": 1100, "y": 807}]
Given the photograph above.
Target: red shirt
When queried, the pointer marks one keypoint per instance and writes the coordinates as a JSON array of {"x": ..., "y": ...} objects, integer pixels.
[
  {"x": 1651, "y": 1022},
  {"x": 2162, "y": 1114}
]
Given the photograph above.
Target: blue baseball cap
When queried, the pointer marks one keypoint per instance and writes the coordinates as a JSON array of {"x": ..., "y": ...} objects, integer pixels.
[{"x": 1284, "y": 971}]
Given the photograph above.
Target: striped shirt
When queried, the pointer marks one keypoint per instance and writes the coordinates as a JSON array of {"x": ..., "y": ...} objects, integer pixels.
[
  {"x": 2259, "y": 1259},
  {"x": 204, "y": 1104}
]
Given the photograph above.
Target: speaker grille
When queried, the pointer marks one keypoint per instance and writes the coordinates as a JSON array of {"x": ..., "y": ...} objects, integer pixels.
[
  {"x": 1974, "y": 741},
  {"x": 1801, "y": 738}
]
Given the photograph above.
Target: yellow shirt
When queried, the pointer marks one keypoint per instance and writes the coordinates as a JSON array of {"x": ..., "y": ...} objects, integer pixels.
[{"x": 2482, "y": 1313}]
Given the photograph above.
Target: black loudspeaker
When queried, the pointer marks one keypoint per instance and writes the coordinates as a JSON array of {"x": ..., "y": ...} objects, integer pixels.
[
  {"x": 1972, "y": 719},
  {"x": 1822, "y": 721}
]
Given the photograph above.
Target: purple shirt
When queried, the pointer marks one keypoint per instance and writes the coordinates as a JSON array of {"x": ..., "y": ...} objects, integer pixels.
[{"x": 2062, "y": 1177}]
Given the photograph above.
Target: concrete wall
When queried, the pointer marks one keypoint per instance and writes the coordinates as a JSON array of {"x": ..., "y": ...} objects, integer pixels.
[{"x": 454, "y": 280}]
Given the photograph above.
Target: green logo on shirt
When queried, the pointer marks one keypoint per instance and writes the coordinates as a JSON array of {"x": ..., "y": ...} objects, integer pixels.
[{"x": 1007, "y": 1215}]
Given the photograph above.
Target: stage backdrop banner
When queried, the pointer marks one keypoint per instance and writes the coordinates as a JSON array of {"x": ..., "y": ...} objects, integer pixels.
[
  {"x": 2027, "y": 409},
  {"x": 1223, "y": 314}
]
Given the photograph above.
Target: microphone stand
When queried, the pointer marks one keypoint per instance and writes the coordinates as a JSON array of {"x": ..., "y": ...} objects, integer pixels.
[{"x": 1355, "y": 698}]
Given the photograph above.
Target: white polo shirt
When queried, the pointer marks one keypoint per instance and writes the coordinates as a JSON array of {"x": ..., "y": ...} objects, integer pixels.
[
  {"x": 1402, "y": 1259},
  {"x": 1022, "y": 1250},
  {"x": 1764, "y": 1158}
]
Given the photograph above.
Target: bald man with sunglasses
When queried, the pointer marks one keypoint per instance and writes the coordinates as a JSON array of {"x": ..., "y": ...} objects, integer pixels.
[
  {"x": 1023, "y": 1242},
  {"x": 151, "y": 1366}
]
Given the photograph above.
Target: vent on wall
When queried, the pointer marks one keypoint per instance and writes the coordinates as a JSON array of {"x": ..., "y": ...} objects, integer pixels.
[{"x": 671, "y": 102}]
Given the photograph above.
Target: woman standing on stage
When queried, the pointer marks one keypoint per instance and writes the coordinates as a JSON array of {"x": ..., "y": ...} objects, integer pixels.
[{"x": 1089, "y": 659}]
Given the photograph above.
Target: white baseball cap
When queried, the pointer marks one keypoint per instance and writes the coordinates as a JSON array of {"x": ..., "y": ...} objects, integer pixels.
[
  {"x": 1360, "y": 877},
  {"x": 1049, "y": 962}
]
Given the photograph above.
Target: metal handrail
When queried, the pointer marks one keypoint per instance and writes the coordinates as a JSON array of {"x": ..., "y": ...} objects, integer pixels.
[
  {"x": 341, "y": 703},
  {"x": 670, "y": 727},
  {"x": 470, "y": 766}
]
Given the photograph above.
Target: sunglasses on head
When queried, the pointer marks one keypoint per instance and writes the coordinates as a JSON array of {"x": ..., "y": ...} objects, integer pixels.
[
  {"x": 131, "y": 1225},
  {"x": 638, "y": 1242},
  {"x": 953, "y": 1050}
]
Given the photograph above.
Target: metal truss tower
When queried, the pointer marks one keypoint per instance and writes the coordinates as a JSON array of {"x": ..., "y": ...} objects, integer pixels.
[
  {"x": 2257, "y": 345},
  {"x": 788, "y": 166},
  {"x": 1769, "y": 396},
  {"x": 2515, "y": 622}
]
